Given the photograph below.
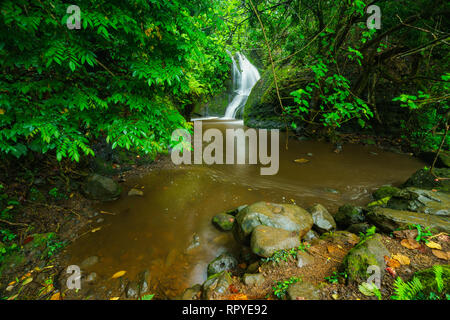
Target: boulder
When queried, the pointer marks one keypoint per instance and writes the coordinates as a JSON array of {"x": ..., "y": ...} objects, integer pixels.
[
  {"x": 216, "y": 285},
  {"x": 223, "y": 221},
  {"x": 423, "y": 179},
  {"x": 282, "y": 216},
  {"x": 420, "y": 200},
  {"x": 384, "y": 192},
  {"x": 303, "y": 291},
  {"x": 255, "y": 279},
  {"x": 348, "y": 215},
  {"x": 266, "y": 240},
  {"x": 224, "y": 262},
  {"x": 323, "y": 221},
  {"x": 102, "y": 188},
  {"x": 370, "y": 252},
  {"x": 310, "y": 235},
  {"x": 389, "y": 220}
]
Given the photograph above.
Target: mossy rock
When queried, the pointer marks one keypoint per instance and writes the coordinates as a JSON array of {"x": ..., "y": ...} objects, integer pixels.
[
  {"x": 348, "y": 215},
  {"x": 384, "y": 192},
  {"x": 369, "y": 252},
  {"x": 216, "y": 285},
  {"x": 425, "y": 180},
  {"x": 428, "y": 279}
]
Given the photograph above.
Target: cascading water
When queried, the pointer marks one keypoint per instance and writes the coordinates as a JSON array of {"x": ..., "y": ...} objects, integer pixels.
[{"x": 243, "y": 82}]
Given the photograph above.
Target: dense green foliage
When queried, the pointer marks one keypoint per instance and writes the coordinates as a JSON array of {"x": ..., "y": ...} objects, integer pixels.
[{"x": 125, "y": 76}]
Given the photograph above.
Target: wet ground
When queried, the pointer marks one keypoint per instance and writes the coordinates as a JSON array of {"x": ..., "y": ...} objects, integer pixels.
[{"x": 168, "y": 230}]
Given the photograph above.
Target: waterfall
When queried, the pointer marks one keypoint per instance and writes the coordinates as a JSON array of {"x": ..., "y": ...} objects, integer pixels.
[{"x": 243, "y": 82}]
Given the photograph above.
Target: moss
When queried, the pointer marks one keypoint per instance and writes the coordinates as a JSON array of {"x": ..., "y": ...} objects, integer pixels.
[
  {"x": 384, "y": 192},
  {"x": 357, "y": 263},
  {"x": 223, "y": 221}
]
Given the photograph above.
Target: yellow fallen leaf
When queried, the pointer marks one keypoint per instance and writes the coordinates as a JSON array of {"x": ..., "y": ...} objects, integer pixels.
[
  {"x": 96, "y": 229},
  {"x": 56, "y": 296},
  {"x": 433, "y": 245},
  {"x": 301, "y": 160},
  {"x": 401, "y": 258},
  {"x": 114, "y": 298},
  {"x": 118, "y": 274},
  {"x": 27, "y": 281},
  {"x": 410, "y": 244}
]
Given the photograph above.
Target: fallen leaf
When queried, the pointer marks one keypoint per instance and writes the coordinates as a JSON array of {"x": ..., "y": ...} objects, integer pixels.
[
  {"x": 27, "y": 281},
  {"x": 406, "y": 234},
  {"x": 401, "y": 258},
  {"x": 440, "y": 254},
  {"x": 233, "y": 289},
  {"x": 410, "y": 243},
  {"x": 392, "y": 262},
  {"x": 335, "y": 296},
  {"x": 302, "y": 160},
  {"x": 56, "y": 296},
  {"x": 433, "y": 245},
  {"x": 118, "y": 274},
  {"x": 331, "y": 249},
  {"x": 9, "y": 288},
  {"x": 13, "y": 297},
  {"x": 96, "y": 229},
  {"x": 114, "y": 298},
  {"x": 238, "y": 296},
  {"x": 391, "y": 272}
]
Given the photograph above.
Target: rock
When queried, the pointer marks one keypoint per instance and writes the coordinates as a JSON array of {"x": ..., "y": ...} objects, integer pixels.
[
  {"x": 223, "y": 221},
  {"x": 348, "y": 215},
  {"x": 135, "y": 192},
  {"x": 384, "y": 192},
  {"x": 195, "y": 242},
  {"x": 358, "y": 228},
  {"x": 192, "y": 293},
  {"x": 304, "y": 259},
  {"x": 246, "y": 254},
  {"x": 282, "y": 216},
  {"x": 389, "y": 220},
  {"x": 341, "y": 237},
  {"x": 144, "y": 282},
  {"x": 423, "y": 179},
  {"x": 252, "y": 268},
  {"x": 266, "y": 240},
  {"x": 102, "y": 188},
  {"x": 323, "y": 221},
  {"x": 428, "y": 279},
  {"x": 224, "y": 262},
  {"x": 216, "y": 285},
  {"x": 310, "y": 235},
  {"x": 132, "y": 290},
  {"x": 253, "y": 279},
  {"x": 419, "y": 200},
  {"x": 303, "y": 291},
  {"x": 92, "y": 277},
  {"x": 89, "y": 262},
  {"x": 367, "y": 253}
]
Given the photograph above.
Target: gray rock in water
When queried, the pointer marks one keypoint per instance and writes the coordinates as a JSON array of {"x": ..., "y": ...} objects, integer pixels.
[
  {"x": 136, "y": 192},
  {"x": 216, "y": 285},
  {"x": 389, "y": 220},
  {"x": 368, "y": 253},
  {"x": 282, "y": 216},
  {"x": 102, "y": 188},
  {"x": 348, "y": 215},
  {"x": 89, "y": 262},
  {"x": 195, "y": 242},
  {"x": 224, "y": 262},
  {"x": 303, "y": 291},
  {"x": 266, "y": 240},
  {"x": 255, "y": 279},
  {"x": 323, "y": 221}
]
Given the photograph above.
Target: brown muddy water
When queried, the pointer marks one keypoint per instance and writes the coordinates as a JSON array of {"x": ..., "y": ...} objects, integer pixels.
[{"x": 156, "y": 232}]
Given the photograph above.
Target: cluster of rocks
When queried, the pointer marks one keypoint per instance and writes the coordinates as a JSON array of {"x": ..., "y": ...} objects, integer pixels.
[{"x": 265, "y": 228}]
